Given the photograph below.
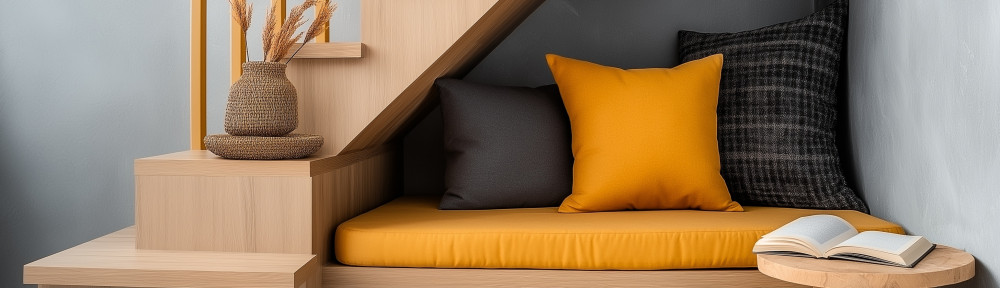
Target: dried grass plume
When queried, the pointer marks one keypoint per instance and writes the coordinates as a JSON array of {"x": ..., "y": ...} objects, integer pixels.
[
  {"x": 286, "y": 37},
  {"x": 270, "y": 28},
  {"x": 324, "y": 10},
  {"x": 278, "y": 39},
  {"x": 241, "y": 13}
]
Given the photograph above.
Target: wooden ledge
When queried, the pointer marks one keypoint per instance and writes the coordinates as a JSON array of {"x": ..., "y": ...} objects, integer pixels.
[
  {"x": 328, "y": 50},
  {"x": 114, "y": 261},
  {"x": 204, "y": 163}
]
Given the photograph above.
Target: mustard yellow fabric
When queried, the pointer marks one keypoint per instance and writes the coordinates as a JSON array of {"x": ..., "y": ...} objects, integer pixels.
[
  {"x": 412, "y": 232},
  {"x": 643, "y": 139}
]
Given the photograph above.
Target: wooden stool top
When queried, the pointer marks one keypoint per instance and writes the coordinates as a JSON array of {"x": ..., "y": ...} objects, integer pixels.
[{"x": 943, "y": 266}]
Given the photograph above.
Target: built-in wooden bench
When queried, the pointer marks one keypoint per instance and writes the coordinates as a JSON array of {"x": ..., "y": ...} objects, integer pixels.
[{"x": 202, "y": 221}]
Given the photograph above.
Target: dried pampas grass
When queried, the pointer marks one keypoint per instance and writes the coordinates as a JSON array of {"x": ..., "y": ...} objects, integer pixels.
[
  {"x": 324, "y": 10},
  {"x": 278, "y": 40},
  {"x": 241, "y": 14},
  {"x": 270, "y": 27},
  {"x": 286, "y": 36}
]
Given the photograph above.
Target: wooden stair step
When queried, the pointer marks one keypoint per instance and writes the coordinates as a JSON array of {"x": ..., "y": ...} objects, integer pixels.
[{"x": 113, "y": 261}]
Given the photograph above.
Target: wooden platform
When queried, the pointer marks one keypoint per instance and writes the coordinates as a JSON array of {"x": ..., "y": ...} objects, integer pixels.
[
  {"x": 350, "y": 276},
  {"x": 943, "y": 266},
  {"x": 114, "y": 261}
]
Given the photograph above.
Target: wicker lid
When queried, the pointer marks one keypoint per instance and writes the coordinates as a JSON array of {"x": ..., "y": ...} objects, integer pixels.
[{"x": 291, "y": 146}]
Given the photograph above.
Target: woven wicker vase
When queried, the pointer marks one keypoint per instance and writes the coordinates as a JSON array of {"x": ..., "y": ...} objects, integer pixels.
[{"x": 262, "y": 102}]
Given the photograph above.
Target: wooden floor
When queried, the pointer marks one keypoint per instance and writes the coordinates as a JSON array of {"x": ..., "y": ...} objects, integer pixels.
[{"x": 349, "y": 276}]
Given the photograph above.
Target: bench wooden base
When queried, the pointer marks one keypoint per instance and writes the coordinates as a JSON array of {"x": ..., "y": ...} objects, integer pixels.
[
  {"x": 350, "y": 276},
  {"x": 113, "y": 261}
]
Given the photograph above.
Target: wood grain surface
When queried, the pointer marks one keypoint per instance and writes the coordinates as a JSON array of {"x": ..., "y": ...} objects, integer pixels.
[
  {"x": 350, "y": 276},
  {"x": 407, "y": 44},
  {"x": 945, "y": 265},
  {"x": 114, "y": 261},
  {"x": 196, "y": 201},
  {"x": 327, "y": 50}
]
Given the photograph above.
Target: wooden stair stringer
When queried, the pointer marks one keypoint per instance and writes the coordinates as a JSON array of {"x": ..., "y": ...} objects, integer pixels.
[
  {"x": 412, "y": 104},
  {"x": 363, "y": 102}
]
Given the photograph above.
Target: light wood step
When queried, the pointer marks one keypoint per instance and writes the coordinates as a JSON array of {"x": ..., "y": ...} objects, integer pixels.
[{"x": 114, "y": 261}]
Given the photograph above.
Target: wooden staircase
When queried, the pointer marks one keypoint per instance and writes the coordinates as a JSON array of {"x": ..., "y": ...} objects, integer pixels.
[{"x": 202, "y": 221}]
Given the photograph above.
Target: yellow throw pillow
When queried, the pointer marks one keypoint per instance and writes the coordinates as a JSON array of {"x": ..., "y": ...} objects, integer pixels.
[{"x": 643, "y": 139}]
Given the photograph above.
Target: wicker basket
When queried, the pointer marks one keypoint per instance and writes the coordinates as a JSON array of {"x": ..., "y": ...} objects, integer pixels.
[
  {"x": 291, "y": 146},
  {"x": 262, "y": 102}
]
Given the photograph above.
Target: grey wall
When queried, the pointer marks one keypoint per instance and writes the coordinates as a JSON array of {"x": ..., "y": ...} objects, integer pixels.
[
  {"x": 925, "y": 120},
  {"x": 628, "y": 34},
  {"x": 86, "y": 86}
]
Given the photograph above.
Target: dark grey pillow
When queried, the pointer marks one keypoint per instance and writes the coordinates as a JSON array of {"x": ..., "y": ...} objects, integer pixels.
[
  {"x": 505, "y": 147},
  {"x": 777, "y": 110}
]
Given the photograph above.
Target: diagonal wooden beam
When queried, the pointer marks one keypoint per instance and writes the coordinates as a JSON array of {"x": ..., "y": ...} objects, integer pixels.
[{"x": 404, "y": 112}]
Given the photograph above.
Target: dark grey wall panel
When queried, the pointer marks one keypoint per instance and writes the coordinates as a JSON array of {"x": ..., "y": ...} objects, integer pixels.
[{"x": 627, "y": 34}]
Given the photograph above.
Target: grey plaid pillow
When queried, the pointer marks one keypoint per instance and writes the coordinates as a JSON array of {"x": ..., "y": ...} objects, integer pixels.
[{"x": 777, "y": 110}]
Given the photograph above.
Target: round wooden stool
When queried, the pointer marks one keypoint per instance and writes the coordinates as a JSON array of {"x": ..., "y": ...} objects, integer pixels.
[{"x": 943, "y": 266}]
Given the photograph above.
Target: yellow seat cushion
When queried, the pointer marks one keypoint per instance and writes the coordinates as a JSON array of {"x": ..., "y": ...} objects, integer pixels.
[
  {"x": 412, "y": 232},
  {"x": 643, "y": 139}
]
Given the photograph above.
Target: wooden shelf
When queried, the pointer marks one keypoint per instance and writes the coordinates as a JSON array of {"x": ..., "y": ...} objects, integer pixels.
[
  {"x": 204, "y": 163},
  {"x": 114, "y": 261},
  {"x": 328, "y": 50}
]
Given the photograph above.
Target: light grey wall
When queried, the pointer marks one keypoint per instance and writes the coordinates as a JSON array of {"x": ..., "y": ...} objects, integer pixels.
[
  {"x": 85, "y": 88},
  {"x": 925, "y": 120},
  {"x": 628, "y": 34}
]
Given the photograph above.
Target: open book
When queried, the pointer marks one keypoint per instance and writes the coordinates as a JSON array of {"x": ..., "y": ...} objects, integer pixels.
[{"x": 828, "y": 236}]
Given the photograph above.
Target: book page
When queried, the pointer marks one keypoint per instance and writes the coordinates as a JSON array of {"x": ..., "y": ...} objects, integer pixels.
[
  {"x": 881, "y": 241},
  {"x": 822, "y": 232}
]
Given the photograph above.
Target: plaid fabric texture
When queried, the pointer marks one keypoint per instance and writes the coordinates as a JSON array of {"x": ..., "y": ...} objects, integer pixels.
[{"x": 777, "y": 110}]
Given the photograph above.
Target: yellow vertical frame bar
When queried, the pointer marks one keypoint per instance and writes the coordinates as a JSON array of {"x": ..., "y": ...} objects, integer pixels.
[
  {"x": 237, "y": 49},
  {"x": 281, "y": 8},
  {"x": 324, "y": 35},
  {"x": 198, "y": 82}
]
